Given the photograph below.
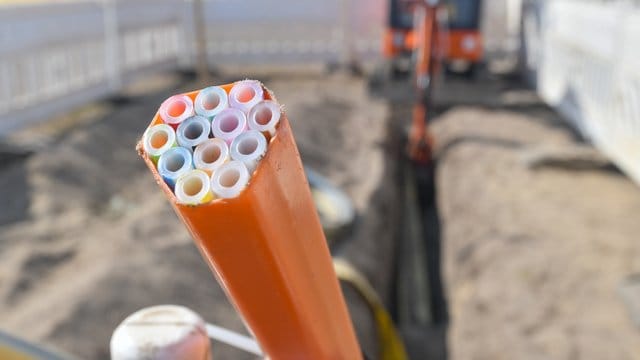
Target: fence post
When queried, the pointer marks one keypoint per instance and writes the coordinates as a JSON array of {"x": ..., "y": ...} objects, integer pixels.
[
  {"x": 112, "y": 46},
  {"x": 347, "y": 52},
  {"x": 202, "y": 69}
]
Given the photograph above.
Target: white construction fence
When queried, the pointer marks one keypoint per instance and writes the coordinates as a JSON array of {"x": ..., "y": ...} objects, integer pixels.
[
  {"x": 57, "y": 55},
  {"x": 583, "y": 56}
]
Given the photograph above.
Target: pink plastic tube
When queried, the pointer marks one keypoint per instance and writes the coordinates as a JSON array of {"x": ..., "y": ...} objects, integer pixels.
[
  {"x": 176, "y": 109},
  {"x": 228, "y": 124},
  {"x": 245, "y": 94}
]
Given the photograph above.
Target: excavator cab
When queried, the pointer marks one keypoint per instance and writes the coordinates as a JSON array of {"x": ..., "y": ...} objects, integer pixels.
[
  {"x": 462, "y": 43},
  {"x": 399, "y": 38},
  {"x": 464, "y": 48}
]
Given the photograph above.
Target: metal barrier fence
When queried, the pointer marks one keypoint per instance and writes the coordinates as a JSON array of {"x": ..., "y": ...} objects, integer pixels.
[
  {"x": 277, "y": 31},
  {"x": 501, "y": 27},
  {"x": 584, "y": 59},
  {"x": 55, "y": 56}
]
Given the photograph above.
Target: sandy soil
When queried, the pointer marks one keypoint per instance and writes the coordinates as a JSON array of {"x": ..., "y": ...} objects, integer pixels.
[
  {"x": 535, "y": 247},
  {"x": 86, "y": 238}
]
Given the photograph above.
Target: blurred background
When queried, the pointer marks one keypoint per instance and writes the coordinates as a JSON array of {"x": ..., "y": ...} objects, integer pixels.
[{"x": 483, "y": 170}]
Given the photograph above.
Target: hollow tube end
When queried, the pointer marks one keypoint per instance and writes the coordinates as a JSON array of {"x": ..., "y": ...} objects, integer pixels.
[
  {"x": 176, "y": 109},
  {"x": 210, "y": 155},
  {"x": 264, "y": 117},
  {"x": 193, "y": 131},
  {"x": 211, "y": 101},
  {"x": 249, "y": 148},
  {"x": 157, "y": 140},
  {"x": 245, "y": 94},
  {"x": 230, "y": 179},
  {"x": 229, "y": 124},
  {"x": 174, "y": 163},
  {"x": 194, "y": 188}
]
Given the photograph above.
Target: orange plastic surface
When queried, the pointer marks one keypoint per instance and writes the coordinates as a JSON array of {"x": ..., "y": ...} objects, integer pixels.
[
  {"x": 391, "y": 49},
  {"x": 456, "y": 50},
  {"x": 426, "y": 42},
  {"x": 268, "y": 251},
  {"x": 451, "y": 44},
  {"x": 421, "y": 141}
]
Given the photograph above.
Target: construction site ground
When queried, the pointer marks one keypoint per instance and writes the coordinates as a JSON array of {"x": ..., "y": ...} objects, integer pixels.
[{"x": 538, "y": 230}]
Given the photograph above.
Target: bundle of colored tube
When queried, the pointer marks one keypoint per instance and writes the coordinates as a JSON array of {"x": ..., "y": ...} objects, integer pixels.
[
  {"x": 242, "y": 193},
  {"x": 208, "y": 147}
]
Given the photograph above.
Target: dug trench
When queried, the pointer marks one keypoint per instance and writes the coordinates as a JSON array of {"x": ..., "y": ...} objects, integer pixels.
[{"x": 418, "y": 304}]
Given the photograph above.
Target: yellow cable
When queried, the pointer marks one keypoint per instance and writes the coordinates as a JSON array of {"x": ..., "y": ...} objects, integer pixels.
[
  {"x": 391, "y": 345},
  {"x": 9, "y": 353}
]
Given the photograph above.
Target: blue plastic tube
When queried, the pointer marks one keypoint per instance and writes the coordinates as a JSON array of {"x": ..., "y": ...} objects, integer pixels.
[
  {"x": 193, "y": 131},
  {"x": 174, "y": 163}
]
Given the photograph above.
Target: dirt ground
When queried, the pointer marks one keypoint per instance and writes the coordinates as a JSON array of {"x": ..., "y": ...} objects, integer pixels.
[
  {"x": 537, "y": 227},
  {"x": 539, "y": 232},
  {"x": 87, "y": 237}
]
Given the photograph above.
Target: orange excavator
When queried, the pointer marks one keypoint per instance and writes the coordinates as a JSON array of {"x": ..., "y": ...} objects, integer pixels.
[
  {"x": 464, "y": 46},
  {"x": 428, "y": 55},
  {"x": 425, "y": 37},
  {"x": 461, "y": 43},
  {"x": 431, "y": 34}
]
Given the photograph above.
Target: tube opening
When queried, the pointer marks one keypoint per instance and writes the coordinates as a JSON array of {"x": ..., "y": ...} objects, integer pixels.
[
  {"x": 211, "y": 101},
  {"x": 245, "y": 94},
  {"x": 176, "y": 108},
  {"x": 263, "y": 116},
  {"x": 248, "y": 146},
  {"x": 192, "y": 186},
  {"x": 229, "y": 123},
  {"x": 175, "y": 162},
  {"x": 230, "y": 177},
  {"x": 211, "y": 154},
  {"x": 159, "y": 139},
  {"x": 193, "y": 130}
]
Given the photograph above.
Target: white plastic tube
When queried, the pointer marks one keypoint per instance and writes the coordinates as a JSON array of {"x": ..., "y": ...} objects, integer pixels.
[
  {"x": 176, "y": 109},
  {"x": 210, "y": 155},
  {"x": 210, "y": 101},
  {"x": 249, "y": 148},
  {"x": 157, "y": 140},
  {"x": 229, "y": 180},
  {"x": 228, "y": 124},
  {"x": 264, "y": 117},
  {"x": 194, "y": 188},
  {"x": 193, "y": 131},
  {"x": 245, "y": 94},
  {"x": 234, "y": 339},
  {"x": 174, "y": 163}
]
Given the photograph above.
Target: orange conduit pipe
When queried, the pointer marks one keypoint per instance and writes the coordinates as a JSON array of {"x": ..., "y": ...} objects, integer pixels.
[{"x": 267, "y": 250}]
